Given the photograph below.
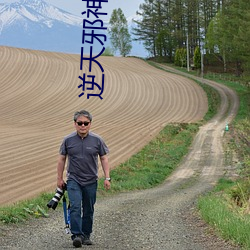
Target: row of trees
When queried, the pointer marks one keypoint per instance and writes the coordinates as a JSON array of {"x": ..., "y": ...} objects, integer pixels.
[
  {"x": 168, "y": 27},
  {"x": 165, "y": 25}
]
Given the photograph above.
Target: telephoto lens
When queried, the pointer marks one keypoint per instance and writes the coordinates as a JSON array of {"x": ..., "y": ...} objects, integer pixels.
[{"x": 54, "y": 201}]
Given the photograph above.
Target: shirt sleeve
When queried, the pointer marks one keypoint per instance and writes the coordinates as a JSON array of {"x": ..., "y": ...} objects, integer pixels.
[
  {"x": 103, "y": 148},
  {"x": 63, "y": 148}
]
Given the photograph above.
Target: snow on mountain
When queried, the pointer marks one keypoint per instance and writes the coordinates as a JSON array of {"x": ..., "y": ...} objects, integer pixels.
[
  {"x": 36, "y": 24},
  {"x": 34, "y": 11},
  {"x": 52, "y": 12}
]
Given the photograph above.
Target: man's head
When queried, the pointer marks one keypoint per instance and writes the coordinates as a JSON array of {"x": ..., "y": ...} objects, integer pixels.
[
  {"x": 82, "y": 121},
  {"x": 82, "y": 113}
]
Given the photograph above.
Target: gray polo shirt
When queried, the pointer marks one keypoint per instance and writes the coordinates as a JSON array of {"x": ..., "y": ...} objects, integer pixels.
[{"x": 83, "y": 156}]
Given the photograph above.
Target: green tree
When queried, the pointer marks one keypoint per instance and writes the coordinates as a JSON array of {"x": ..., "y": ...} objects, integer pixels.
[
  {"x": 108, "y": 52},
  {"x": 177, "y": 58},
  {"x": 197, "y": 58},
  {"x": 241, "y": 11},
  {"x": 154, "y": 28},
  {"x": 146, "y": 27},
  {"x": 181, "y": 57},
  {"x": 164, "y": 25},
  {"x": 119, "y": 34},
  {"x": 228, "y": 35},
  {"x": 216, "y": 39},
  {"x": 167, "y": 24}
]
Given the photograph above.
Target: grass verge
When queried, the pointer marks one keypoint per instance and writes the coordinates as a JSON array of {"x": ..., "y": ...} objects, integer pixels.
[
  {"x": 217, "y": 210},
  {"x": 25, "y": 210}
]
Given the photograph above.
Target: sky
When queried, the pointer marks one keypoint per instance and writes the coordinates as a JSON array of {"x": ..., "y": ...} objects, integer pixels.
[{"x": 129, "y": 7}]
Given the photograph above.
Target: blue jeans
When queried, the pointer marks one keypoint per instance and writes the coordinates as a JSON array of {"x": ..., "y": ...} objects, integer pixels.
[{"x": 82, "y": 200}]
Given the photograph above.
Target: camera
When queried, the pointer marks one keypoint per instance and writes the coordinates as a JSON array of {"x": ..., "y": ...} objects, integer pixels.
[{"x": 54, "y": 201}]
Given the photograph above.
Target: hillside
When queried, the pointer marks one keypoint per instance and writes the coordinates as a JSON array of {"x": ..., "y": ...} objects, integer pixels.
[{"x": 39, "y": 94}]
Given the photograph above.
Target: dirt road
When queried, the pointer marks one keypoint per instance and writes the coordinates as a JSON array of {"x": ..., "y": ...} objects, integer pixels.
[{"x": 160, "y": 218}]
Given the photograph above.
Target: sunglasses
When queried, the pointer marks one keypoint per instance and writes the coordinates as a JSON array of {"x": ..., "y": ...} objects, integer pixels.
[{"x": 83, "y": 123}]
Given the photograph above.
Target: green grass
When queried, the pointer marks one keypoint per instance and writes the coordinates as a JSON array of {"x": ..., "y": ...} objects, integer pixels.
[
  {"x": 25, "y": 210},
  {"x": 217, "y": 212},
  {"x": 244, "y": 94},
  {"x": 213, "y": 100}
]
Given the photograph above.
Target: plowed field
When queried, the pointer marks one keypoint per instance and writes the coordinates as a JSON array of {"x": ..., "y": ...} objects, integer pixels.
[{"x": 39, "y": 94}]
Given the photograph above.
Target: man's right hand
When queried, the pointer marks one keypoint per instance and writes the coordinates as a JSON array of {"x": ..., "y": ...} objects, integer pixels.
[{"x": 61, "y": 184}]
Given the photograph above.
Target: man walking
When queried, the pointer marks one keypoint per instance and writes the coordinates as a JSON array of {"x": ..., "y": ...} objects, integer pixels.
[{"x": 82, "y": 149}]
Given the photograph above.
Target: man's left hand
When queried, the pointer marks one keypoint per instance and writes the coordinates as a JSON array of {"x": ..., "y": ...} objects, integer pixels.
[{"x": 106, "y": 184}]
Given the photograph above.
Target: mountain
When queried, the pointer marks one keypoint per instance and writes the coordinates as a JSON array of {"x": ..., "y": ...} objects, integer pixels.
[
  {"x": 36, "y": 24},
  {"x": 35, "y": 11}
]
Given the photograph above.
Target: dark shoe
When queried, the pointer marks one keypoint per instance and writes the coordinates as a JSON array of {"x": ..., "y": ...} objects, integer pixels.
[
  {"x": 77, "y": 241},
  {"x": 86, "y": 240}
]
